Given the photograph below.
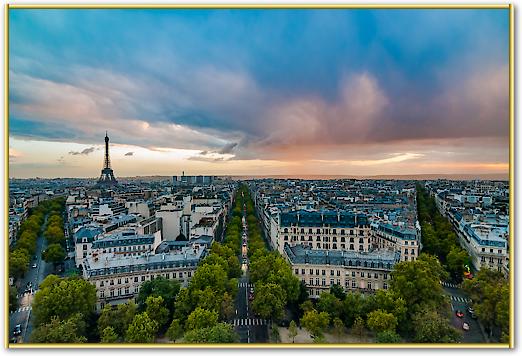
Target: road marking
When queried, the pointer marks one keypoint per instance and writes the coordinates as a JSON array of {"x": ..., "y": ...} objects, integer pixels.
[
  {"x": 249, "y": 322},
  {"x": 460, "y": 299}
]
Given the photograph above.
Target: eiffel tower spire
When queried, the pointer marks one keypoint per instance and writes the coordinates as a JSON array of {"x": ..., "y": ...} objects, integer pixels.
[{"x": 107, "y": 174}]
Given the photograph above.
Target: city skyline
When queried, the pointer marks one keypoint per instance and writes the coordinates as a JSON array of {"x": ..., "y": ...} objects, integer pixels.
[{"x": 250, "y": 92}]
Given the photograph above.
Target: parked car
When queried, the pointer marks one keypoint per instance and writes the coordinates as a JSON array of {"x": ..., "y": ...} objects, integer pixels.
[
  {"x": 471, "y": 310},
  {"x": 17, "y": 330},
  {"x": 465, "y": 326},
  {"x": 459, "y": 314},
  {"x": 34, "y": 265}
]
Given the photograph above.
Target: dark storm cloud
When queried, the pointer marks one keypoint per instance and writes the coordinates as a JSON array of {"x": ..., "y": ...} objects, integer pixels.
[
  {"x": 268, "y": 80},
  {"x": 85, "y": 151}
]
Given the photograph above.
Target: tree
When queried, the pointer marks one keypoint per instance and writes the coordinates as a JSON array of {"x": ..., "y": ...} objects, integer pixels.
[
  {"x": 54, "y": 234},
  {"x": 201, "y": 318},
  {"x": 456, "y": 259},
  {"x": 108, "y": 335},
  {"x": 227, "y": 307},
  {"x": 70, "y": 330},
  {"x": 358, "y": 327},
  {"x": 418, "y": 282},
  {"x": 337, "y": 291},
  {"x": 209, "y": 276},
  {"x": 142, "y": 329},
  {"x": 338, "y": 328},
  {"x": 269, "y": 301},
  {"x": 315, "y": 322},
  {"x": 54, "y": 254},
  {"x": 388, "y": 337},
  {"x": 391, "y": 303},
  {"x": 118, "y": 318},
  {"x": 168, "y": 289},
  {"x": 13, "y": 299},
  {"x": 307, "y": 306},
  {"x": 183, "y": 305},
  {"x": 63, "y": 299},
  {"x": 292, "y": 331},
  {"x": 489, "y": 291},
  {"x": 18, "y": 263},
  {"x": 330, "y": 304},
  {"x": 379, "y": 320},
  {"x": 275, "y": 337},
  {"x": 431, "y": 327},
  {"x": 175, "y": 330},
  {"x": 352, "y": 307},
  {"x": 157, "y": 311},
  {"x": 219, "y": 333}
]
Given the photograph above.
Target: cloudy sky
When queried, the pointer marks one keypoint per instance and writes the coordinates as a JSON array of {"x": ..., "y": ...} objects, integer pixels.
[{"x": 355, "y": 92}]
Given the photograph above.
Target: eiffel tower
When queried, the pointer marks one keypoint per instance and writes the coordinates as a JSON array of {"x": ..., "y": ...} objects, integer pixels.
[{"x": 107, "y": 175}]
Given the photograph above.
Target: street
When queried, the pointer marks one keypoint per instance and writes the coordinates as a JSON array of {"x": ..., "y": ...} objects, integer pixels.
[
  {"x": 27, "y": 287},
  {"x": 459, "y": 301},
  {"x": 250, "y": 328}
]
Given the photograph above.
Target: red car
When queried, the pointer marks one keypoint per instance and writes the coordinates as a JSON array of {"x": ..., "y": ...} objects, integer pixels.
[{"x": 459, "y": 314}]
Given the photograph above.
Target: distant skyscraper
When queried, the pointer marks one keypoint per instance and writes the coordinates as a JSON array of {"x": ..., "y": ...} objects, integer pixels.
[{"x": 107, "y": 175}]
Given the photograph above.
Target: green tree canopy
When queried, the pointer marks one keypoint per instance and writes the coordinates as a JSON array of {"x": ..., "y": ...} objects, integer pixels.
[
  {"x": 157, "y": 311},
  {"x": 71, "y": 330},
  {"x": 117, "y": 317},
  {"x": 432, "y": 327},
  {"x": 201, "y": 318},
  {"x": 142, "y": 329},
  {"x": 54, "y": 254},
  {"x": 108, "y": 336},
  {"x": 168, "y": 289},
  {"x": 63, "y": 299},
  {"x": 329, "y": 303},
  {"x": 379, "y": 320},
  {"x": 269, "y": 301},
  {"x": 18, "y": 263},
  {"x": 315, "y": 322}
]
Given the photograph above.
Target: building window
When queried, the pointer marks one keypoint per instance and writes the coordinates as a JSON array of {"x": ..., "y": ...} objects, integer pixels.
[
  {"x": 332, "y": 282},
  {"x": 375, "y": 275},
  {"x": 143, "y": 278},
  {"x": 351, "y": 247},
  {"x": 286, "y": 238},
  {"x": 189, "y": 273},
  {"x": 317, "y": 281},
  {"x": 312, "y": 272},
  {"x": 135, "y": 279},
  {"x": 385, "y": 276},
  {"x": 342, "y": 232},
  {"x": 353, "y": 273},
  {"x": 343, "y": 239},
  {"x": 413, "y": 251},
  {"x": 324, "y": 272},
  {"x": 302, "y": 271},
  {"x": 405, "y": 258},
  {"x": 354, "y": 285},
  {"x": 318, "y": 245},
  {"x": 369, "y": 285},
  {"x": 362, "y": 274},
  {"x": 102, "y": 294},
  {"x": 324, "y": 282},
  {"x": 385, "y": 285},
  {"x": 297, "y": 271},
  {"x": 334, "y": 246},
  {"x": 338, "y": 273},
  {"x": 111, "y": 282},
  {"x": 332, "y": 272},
  {"x": 111, "y": 293},
  {"x": 119, "y": 280}
]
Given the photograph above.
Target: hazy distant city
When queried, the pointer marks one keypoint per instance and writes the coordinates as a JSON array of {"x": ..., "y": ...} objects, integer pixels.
[{"x": 250, "y": 176}]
